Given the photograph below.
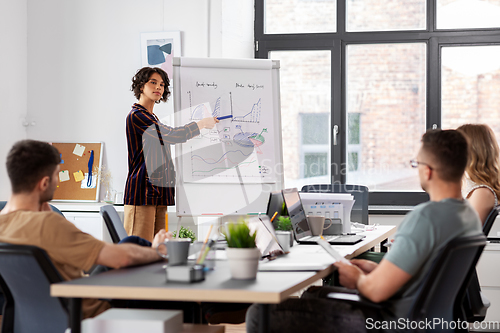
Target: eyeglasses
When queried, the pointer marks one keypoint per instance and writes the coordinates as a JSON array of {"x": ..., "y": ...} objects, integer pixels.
[{"x": 415, "y": 163}]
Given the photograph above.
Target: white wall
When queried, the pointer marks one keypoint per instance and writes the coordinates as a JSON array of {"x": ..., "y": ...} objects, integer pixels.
[
  {"x": 82, "y": 55},
  {"x": 14, "y": 87}
]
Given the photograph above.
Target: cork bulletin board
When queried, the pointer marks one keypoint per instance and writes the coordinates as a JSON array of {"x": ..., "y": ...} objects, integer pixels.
[{"x": 74, "y": 183}]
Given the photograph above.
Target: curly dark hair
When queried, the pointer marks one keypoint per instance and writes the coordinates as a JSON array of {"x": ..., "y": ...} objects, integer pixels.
[
  {"x": 28, "y": 162},
  {"x": 143, "y": 75}
]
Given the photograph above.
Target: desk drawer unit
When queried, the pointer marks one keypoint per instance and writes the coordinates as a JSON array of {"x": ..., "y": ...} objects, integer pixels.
[
  {"x": 90, "y": 223},
  {"x": 488, "y": 270}
]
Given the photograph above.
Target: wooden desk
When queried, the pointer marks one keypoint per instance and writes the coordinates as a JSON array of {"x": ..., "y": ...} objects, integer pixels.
[
  {"x": 149, "y": 283},
  {"x": 195, "y": 328},
  {"x": 314, "y": 257}
]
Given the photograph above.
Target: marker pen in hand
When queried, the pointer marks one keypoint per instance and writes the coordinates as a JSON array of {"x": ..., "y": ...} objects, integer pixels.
[{"x": 225, "y": 117}]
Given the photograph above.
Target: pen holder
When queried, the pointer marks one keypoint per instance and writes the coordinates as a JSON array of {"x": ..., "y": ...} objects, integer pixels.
[
  {"x": 185, "y": 273},
  {"x": 210, "y": 259}
]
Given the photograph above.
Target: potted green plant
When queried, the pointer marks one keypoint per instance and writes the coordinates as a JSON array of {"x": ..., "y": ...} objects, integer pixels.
[
  {"x": 284, "y": 223},
  {"x": 284, "y": 232},
  {"x": 185, "y": 233},
  {"x": 242, "y": 253}
]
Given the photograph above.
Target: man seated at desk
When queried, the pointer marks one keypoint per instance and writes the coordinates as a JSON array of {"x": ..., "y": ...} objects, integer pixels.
[
  {"x": 33, "y": 169},
  {"x": 441, "y": 162}
]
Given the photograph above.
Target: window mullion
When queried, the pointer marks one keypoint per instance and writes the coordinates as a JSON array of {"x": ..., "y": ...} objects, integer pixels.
[
  {"x": 433, "y": 85},
  {"x": 338, "y": 112}
]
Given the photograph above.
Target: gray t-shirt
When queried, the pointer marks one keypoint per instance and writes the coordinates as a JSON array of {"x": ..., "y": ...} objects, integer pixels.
[{"x": 420, "y": 237}]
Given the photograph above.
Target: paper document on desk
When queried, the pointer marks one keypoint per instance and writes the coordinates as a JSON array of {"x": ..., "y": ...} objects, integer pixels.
[
  {"x": 280, "y": 265},
  {"x": 302, "y": 258},
  {"x": 331, "y": 251}
]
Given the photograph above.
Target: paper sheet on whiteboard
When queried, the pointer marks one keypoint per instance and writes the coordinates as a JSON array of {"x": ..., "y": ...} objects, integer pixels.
[{"x": 239, "y": 149}]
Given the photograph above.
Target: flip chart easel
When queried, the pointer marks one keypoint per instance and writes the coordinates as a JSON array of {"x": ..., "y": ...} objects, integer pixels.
[{"x": 232, "y": 168}]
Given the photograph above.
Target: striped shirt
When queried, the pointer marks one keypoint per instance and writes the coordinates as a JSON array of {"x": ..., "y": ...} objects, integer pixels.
[{"x": 151, "y": 174}]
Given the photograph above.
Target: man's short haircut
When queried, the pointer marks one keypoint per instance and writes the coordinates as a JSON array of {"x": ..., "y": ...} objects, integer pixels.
[
  {"x": 28, "y": 162},
  {"x": 142, "y": 77},
  {"x": 449, "y": 153}
]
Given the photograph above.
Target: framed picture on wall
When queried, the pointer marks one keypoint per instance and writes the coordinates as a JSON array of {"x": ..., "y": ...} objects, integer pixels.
[{"x": 158, "y": 50}]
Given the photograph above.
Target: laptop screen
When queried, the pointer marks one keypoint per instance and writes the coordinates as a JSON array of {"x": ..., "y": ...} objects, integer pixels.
[
  {"x": 265, "y": 239},
  {"x": 275, "y": 205},
  {"x": 296, "y": 212}
]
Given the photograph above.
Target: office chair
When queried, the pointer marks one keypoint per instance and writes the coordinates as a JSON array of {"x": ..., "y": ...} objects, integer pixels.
[
  {"x": 444, "y": 287},
  {"x": 488, "y": 224},
  {"x": 475, "y": 304},
  {"x": 54, "y": 208},
  {"x": 26, "y": 273},
  {"x": 113, "y": 223},
  {"x": 2, "y": 205},
  {"x": 359, "y": 212}
]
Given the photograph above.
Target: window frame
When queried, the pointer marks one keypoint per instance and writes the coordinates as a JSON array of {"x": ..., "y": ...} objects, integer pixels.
[{"x": 336, "y": 43}]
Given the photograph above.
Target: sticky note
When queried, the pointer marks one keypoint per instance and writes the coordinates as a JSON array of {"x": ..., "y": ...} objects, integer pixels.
[
  {"x": 78, "y": 176},
  {"x": 79, "y": 150},
  {"x": 63, "y": 175}
]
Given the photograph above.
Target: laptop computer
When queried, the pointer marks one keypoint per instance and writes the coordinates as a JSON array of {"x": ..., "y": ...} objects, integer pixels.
[
  {"x": 274, "y": 205},
  {"x": 265, "y": 239},
  {"x": 301, "y": 229}
]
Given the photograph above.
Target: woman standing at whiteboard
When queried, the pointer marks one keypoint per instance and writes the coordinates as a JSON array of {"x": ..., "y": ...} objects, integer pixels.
[{"x": 150, "y": 185}]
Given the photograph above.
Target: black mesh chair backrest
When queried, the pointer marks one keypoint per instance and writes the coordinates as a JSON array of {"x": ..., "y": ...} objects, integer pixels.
[
  {"x": 474, "y": 304},
  {"x": 359, "y": 212},
  {"x": 113, "y": 223},
  {"x": 26, "y": 273},
  {"x": 488, "y": 223},
  {"x": 443, "y": 289}
]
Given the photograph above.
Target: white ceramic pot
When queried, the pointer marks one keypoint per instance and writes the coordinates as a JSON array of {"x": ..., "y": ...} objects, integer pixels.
[
  {"x": 284, "y": 239},
  {"x": 243, "y": 262}
]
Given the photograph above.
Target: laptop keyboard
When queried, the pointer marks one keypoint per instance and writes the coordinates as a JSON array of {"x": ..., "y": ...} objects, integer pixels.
[{"x": 327, "y": 238}]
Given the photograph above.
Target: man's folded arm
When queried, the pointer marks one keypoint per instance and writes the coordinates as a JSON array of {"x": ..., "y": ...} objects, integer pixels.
[{"x": 123, "y": 255}]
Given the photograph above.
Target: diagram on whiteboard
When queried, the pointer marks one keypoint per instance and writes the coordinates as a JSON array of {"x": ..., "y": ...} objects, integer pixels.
[
  {"x": 251, "y": 117},
  {"x": 240, "y": 149}
]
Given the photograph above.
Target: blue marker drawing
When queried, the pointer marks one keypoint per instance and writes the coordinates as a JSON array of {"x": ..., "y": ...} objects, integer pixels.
[{"x": 225, "y": 117}]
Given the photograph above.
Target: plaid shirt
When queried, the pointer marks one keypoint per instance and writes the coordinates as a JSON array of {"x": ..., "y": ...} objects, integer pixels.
[{"x": 151, "y": 174}]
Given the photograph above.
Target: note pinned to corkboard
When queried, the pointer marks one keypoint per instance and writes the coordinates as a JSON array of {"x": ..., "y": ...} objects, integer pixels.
[{"x": 77, "y": 158}]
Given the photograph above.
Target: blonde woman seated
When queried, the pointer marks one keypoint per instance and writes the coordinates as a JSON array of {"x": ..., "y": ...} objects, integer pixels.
[{"x": 482, "y": 175}]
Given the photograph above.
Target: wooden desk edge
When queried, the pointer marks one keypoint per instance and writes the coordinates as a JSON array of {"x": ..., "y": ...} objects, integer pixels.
[
  {"x": 198, "y": 328},
  {"x": 196, "y": 295},
  {"x": 222, "y": 295},
  {"x": 368, "y": 246}
]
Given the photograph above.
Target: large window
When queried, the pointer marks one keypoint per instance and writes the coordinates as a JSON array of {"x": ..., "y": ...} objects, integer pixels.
[
  {"x": 470, "y": 86},
  {"x": 361, "y": 81},
  {"x": 305, "y": 106},
  {"x": 290, "y": 16},
  {"x": 386, "y": 91}
]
